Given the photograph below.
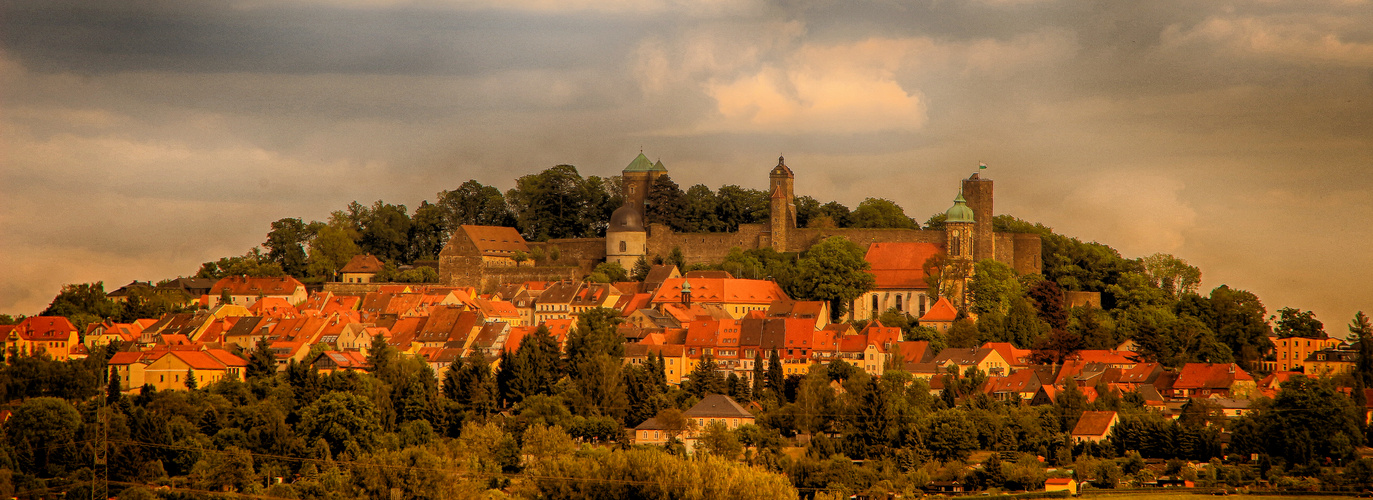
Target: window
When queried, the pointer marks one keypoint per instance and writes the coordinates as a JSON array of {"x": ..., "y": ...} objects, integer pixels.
[
  {"x": 898, "y": 303},
  {"x": 624, "y": 246},
  {"x": 875, "y": 309}
]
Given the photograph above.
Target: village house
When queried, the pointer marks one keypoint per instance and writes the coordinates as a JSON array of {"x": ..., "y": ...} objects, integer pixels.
[
  {"x": 170, "y": 369},
  {"x": 244, "y": 291},
  {"x": 1204, "y": 380},
  {"x": 1290, "y": 354},
  {"x": 54, "y": 336},
  {"x": 940, "y": 316},
  {"x": 361, "y": 269},
  {"x": 735, "y": 296},
  {"x": 1094, "y": 426}
]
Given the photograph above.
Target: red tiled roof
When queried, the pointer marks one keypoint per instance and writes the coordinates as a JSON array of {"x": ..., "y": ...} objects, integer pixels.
[
  {"x": 942, "y": 310},
  {"x": 196, "y": 359},
  {"x": 240, "y": 285},
  {"x": 1209, "y": 376},
  {"x": 900, "y": 265},
  {"x": 45, "y": 328},
  {"x": 1094, "y": 423},
  {"x": 126, "y": 358},
  {"x": 366, "y": 263},
  {"x": 726, "y": 291}
]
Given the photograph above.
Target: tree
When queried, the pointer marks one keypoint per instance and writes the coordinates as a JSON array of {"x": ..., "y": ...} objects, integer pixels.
[
  {"x": 191, "y": 382},
  {"x": 47, "y": 440},
  {"x": 385, "y": 232},
  {"x": 774, "y": 375},
  {"x": 1171, "y": 274},
  {"x": 963, "y": 334},
  {"x": 262, "y": 362},
  {"x": 944, "y": 276},
  {"x": 1309, "y": 419},
  {"x": 705, "y": 377},
  {"x": 82, "y": 304},
  {"x": 836, "y": 271},
  {"x": 736, "y": 205},
  {"x": 608, "y": 272},
  {"x": 473, "y": 204},
  {"x": 252, "y": 264},
  {"x": 880, "y": 213},
  {"x": 555, "y": 203},
  {"x": 1048, "y": 302},
  {"x": 716, "y": 439},
  {"x": 342, "y": 419},
  {"x": 285, "y": 244},
  {"x": 1291, "y": 322},
  {"x": 331, "y": 249},
  {"x": 641, "y": 269},
  {"x": 1362, "y": 332},
  {"x": 993, "y": 287},
  {"x": 428, "y": 232}
]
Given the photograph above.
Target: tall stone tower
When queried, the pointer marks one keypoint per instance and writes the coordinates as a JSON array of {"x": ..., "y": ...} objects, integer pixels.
[
  {"x": 978, "y": 193},
  {"x": 638, "y": 179},
  {"x": 782, "y": 211}
]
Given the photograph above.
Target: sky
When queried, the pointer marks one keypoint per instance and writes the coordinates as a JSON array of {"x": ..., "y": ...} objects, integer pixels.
[{"x": 139, "y": 139}]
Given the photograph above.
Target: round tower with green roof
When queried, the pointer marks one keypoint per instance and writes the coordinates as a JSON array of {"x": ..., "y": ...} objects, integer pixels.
[{"x": 959, "y": 221}]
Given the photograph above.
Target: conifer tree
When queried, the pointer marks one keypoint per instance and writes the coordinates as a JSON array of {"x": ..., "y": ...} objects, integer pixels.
[
  {"x": 775, "y": 378},
  {"x": 758, "y": 374},
  {"x": 191, "y": 383},
  {"x": 113, "y": 394},
  {"x": 451, "y": 376},
  {"x": 261, "y": 363},
  {"x": 640, "y": 270}
]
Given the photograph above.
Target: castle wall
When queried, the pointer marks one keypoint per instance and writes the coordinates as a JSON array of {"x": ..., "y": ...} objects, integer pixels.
[
  {"x": 584, "y": 253},
  {"x": 803, "y": 238},
  {"x": 703, "y": 247}
]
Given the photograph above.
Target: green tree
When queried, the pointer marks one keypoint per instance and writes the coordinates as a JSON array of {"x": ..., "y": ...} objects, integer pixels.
[
  {"x": 82, "y": 304},
  {"x": 1171, "y": 274},
  {"x": 344, "y": 420},
  {"x": 286, "y": 244},
  {"x": 191, "y": 382},
  {"x": 608, "y": 272},
  {"x": 718, "y": 440},
  {"x": 262, "y": 362},
  {"x": 555, "y": 203},
  {"x": 252, "y": 264},
  {"x": 835, "y": 213},
  {"x": 835, "y": 270},
  {"x": 385, "y": 232},
  {"x": 1308, "y": 420},
  {"x": 774, "y": 375},
  {"x": 42, "y": 433},
  {"x": 330, "y": 250},
  {"x": 1291, "y": 322},
  {"x": 428, "y": 232},
  {"x": 230, "y": 469},
  {"x": 641, "y": 269},
  {"x": 705, "y": 377},
  {"x": 473, "y": 203},
  {"x": 880, "y": 213},
  {"x": 736, "y": 205},
  {"x": 1361, "y": 331}
]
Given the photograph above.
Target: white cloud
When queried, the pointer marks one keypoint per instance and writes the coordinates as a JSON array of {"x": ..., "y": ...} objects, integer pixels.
[{"x": 1303, "y": 39}]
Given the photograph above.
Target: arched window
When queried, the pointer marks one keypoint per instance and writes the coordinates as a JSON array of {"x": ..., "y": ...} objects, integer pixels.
[
  {"x": 875, "y": 308},
  {"x": 954, "y": 248},
  {"x": 624, "y": 247},
  {"x": 898, "y": 303}
]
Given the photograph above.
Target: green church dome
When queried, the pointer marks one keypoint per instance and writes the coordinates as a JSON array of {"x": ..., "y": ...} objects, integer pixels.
[{"x": 959, "y": 212}]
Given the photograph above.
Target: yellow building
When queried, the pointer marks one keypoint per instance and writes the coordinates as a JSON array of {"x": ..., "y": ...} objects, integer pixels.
[
  {"x": 35, "y": 335},
  {"x": 1291, "y": 352},
  {"x": 171, "y": 368}
]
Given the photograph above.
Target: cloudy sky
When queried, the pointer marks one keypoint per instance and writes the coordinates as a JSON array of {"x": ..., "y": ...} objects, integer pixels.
[{"x": 141, "y": 138}]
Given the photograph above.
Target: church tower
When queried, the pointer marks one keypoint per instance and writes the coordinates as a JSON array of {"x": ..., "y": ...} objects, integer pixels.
[
  {"x": 978, "y": 192},
  {"x": 782, "y": 211},
  {"x": 960, "y": 228}
]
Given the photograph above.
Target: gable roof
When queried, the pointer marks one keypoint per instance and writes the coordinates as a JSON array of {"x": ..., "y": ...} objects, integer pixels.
[
  {"x": 242, "y": 285},
  {"x": 727, "y": 291},
  {"x": 717, "y": 406},
  {"x": 496, "y": 241},
  {"x": 942, "y": 310},
  {"x": 1094, "y": 423},
  {"x": 45, "y": 328},
  {"x": 366, "y": 263},
  {"x": 900, "y": 265},
  {"x": 1209, "y": 376}
]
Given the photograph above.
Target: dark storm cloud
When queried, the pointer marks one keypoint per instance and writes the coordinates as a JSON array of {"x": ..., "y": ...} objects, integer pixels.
[{"x": 216, "y": 37}]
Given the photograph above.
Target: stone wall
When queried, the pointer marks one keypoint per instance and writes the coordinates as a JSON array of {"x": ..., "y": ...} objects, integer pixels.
[
  {"x": 703, "y": 247},
  {"x": 803, "y": 238},
  {"x": 1029, "y": 249},
  {"x": 469, "y": 271},
  {"x": 352, "y": 288},
  {"x": 584, "y": 253}
]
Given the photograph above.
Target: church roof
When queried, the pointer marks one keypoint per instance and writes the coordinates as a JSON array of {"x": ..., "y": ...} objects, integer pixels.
[
  {"x": 899, "y": 265},
  {"x": 781, "y": 169},
  {"x": 959, "y": 212}
]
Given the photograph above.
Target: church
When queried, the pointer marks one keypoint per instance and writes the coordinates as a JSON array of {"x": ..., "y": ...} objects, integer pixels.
[{"x": 967, "y": 235}]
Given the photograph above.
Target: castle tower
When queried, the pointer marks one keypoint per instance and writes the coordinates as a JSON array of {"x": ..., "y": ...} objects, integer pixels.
[
  {"x": 638, "y": 179},
  {"x": 782, "y": 213},
  {"x": 978, "y": 193},
  {"x": 960, "y": 231},
  {"x": 626, "y": 239}
]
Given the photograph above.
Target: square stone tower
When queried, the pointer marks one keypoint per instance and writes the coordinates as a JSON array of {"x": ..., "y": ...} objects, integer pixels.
[{"x": 978, "y": 192}]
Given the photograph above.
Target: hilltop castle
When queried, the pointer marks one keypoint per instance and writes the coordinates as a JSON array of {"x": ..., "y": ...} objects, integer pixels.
[{"x": 967, "y": 235}]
